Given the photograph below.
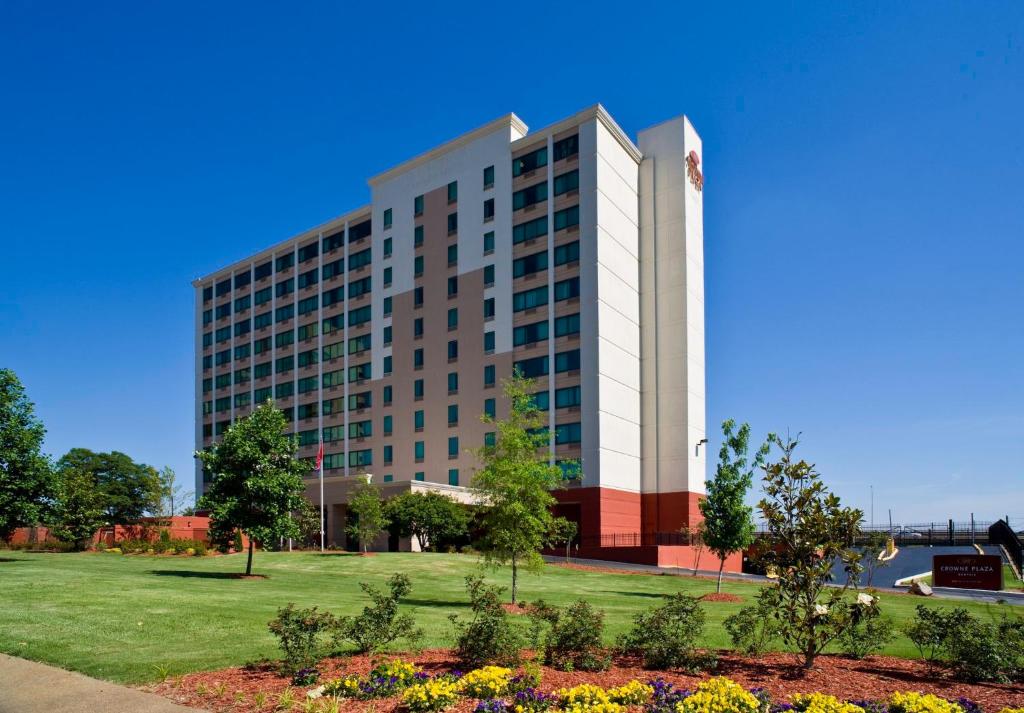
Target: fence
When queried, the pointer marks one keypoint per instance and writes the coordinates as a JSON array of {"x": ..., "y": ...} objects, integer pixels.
[
  {"x": 1001, "y": 533},
  {"x": 638, "y": 539}
]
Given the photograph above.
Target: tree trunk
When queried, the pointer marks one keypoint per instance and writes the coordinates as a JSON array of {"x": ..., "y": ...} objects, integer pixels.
[
  {"x": 809, "y": 657},
  {"x": 696, "y": 563},
  {"x": 248, "y": 563},
  {"x": 514, "y": 575},
  {"x": 721, "y": 566},
  {"x": 567, "y": 546}
]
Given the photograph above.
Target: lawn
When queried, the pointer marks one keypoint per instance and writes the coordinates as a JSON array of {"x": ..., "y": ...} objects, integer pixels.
[{"x": 120, "y": 617}]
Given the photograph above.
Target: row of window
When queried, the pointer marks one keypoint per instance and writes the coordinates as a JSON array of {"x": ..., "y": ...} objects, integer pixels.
[
  {"x": 561, "y": 149},
  {"x": 538, "y": 192}
]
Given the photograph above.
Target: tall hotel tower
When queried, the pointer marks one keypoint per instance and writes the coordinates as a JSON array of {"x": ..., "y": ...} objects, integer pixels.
[{"x": 570, "y": 253}]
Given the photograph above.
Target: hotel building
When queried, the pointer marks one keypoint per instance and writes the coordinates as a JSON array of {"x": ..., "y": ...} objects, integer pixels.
[{"x": 571, "y": 253}]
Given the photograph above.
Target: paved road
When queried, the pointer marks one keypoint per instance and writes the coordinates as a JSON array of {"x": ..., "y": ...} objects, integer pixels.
[{"x": 30, "y": 687}]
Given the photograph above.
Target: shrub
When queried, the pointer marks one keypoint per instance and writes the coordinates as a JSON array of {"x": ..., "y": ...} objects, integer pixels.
[
  {"x": 380, "y": 624},
  {"x": 433, "y": 695},
  {"x": 489, "y": 636},
  {"x": 868, "y": 632},
  {"x": 666, "y": 636},
  {"x": 573, "y": 638},
  {"x": 299, "y": 633},
  {"x": 931, "y": 628},
  {"x": 975, "y": 650},
  {"x": 486, "y": 682},
  {"x": 752, "y": 629},
  {"x": 719, "y": 694}
]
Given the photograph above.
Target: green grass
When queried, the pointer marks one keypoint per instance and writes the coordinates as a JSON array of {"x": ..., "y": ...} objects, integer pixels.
[{"x": 119, "y": 617}]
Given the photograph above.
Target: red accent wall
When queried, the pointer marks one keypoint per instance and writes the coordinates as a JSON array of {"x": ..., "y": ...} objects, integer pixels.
[{"x": 669, "y": 512}]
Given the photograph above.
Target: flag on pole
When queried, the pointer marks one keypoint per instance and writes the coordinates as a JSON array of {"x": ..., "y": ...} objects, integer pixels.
[{"x": 320, "y": 455}]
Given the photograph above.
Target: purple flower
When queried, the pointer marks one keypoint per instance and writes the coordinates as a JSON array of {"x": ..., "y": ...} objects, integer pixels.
[
  {"x": 491, "y": 705},
  {"x": 968, "y": 705}
]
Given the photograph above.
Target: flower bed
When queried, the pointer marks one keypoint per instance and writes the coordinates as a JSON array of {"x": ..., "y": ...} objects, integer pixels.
[{"x": 767, "y": 684}]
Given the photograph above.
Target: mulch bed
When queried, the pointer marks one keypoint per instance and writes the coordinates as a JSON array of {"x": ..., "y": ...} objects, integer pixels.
[
  {"x": 721, "y": 597},
  {"x": 231, "y": 690}
]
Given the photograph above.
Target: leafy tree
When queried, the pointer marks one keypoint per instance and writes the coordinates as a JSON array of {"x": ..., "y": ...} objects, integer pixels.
[
  {"x": 563, "y": 532},
  {"x": 366, "y": 504},
  {"x": 808, "y": 530},
  {"x": 172, "y": 498},
  {"x": 430, "y": 517},
  {"x": 307, "y": 519},
  {"x": 128, "y": 490},
  {"x": 728, "y": 521},
  {"x": 257, "y": 481},
  {"x": 875, "y": 545},
  {"x": 515, "y": 484},
  {"x": 78, "y": 508},
  {"x": 26, "y": 479}
]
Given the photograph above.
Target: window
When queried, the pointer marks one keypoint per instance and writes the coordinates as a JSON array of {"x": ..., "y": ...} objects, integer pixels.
[
  {"x": 418, "y": 421},
  {"x": 283, "y": 314},
  {"x": 284, "y": 389},
  {"x": 388, "y": 420},
  {"x": 567, "y": 218},
  {"x": 387, "y": 394},
  {"x": 242, "y": 352},
  {"x": 417, "y": 205},
  {"x": 453, "y": 191},
  {"x": 359, "y": 316},
  {"x": 388, "y": 477},
  {"x": 453, "y": 414},
  {"x": 417, "y": 327},
  {"x": 417, "y": 359},
  {"x": 307, "y": 384},
  {"x": 262, "y": 371},
  {"x": 532, "y": 368},
  {"x": 530, "y": 230},
  {"x": 359, "y": 344},
  {"x": 488, "y": 176},
  {"x": 567, "y": 397},
  {"x": 358, "y": 288},
  {"x": 530, "y": 299},
  {"x": 389, "y": 454},
  {"x": 261, "y": 345},
  {"x": 359, "y": 372},
  {"x": 488, "y": 275},
  {"x": 453, "y": 476},
  {"x": 453, "y": 349},
  {"x": 333, "y": 433},
  {"x": 263, "y": 271},
  {"x": 419, "y": 451},
  {"x": 387, "y": 218},
  {"x": 265, "y": 295},
  {"x": 531, "y": 195},
  {"x": 306, "y": 411},
  {"x": 333, "y": 296},
  {"x": 387, "y": 306},
  {"x": 333, "y": 461},
  {"x": 529, "y": 264},
  {"x": 308, "y": 305},
  {"x": 417, "y": 297},
  {"x": 207, "y": 362},
  {"x": 284, "y": 262},
  {"x": 360, "y": 401},
  {"x": 207, "y": 339},
  {"x": 418, "y": 475},
  {"x": 567, "y": 361},
  {"x": 223, "y": 357},
  {"x": 530, "y": 162},
  {"x": 333, "y": 378},
  {"x": 242, "y": 303},
  {"x": 333, "y": 242},
  {"x": 530, "y": 333},
  {"x": 284, "y": 364},
  {"x": 387, "y": 335},
  {"x": 488, "y": 242},
  {"x": 358, "y": 232},
  {"x": 360, "y": 429},
  {"x": 417, "y": 389},
  {"x": 489, "y": 376},
  {"x": 285, "y": 287},
  {"x": 334, "y": 351},
  {"x": 488, "y": 210},
  {"x": 223, "y": 404},
  {"x": 542, "y": 400},
  {"x": 207, "y": 316},
  {"x": 453, "y": 223},
  {"x": 388, "y": 246},
  {"x": 570, "y": 252},
  {"x": 489, "y": 308},
  {"x": 360, "y": 259},
  {"x": 417, "y": 236},
  {"x": 388, "y": 365},
  {"x": 453, "y": 286},
  {"x": 488, "y": 342},
  {"x": 224, "y": 310},
  {"x": 308, "y": 252},
  {"x": 566, "y": 147},
  {"x": 567, "y": 289},
  {"x": 307, "y": 358},
  {"x": 567, "y": 324},
  {"x": 567, "y": 182},
  {"x": 453, "y": 318},
  {"x": 453, "y": 446},
  {"x": 261, "y": 395},
  {"x": 207, "y": 293},
  {"x": 242, "y": 279},
  {"x": 359, "y": 459},
  {"x": 417, "y": 266},
  {"x": 490, "y": 438},
  {"x": 568, "y": 433},
  {"x": 283, "y": 339},
  {"x": 242, "y": 375},
  {"x": 307, "y": 331},
  {"x": 490, "y": 408},
  {"x": 223, "y": 381},
  {"x": 331, "y": 406},
  {"x": 453, "y": 382},
  {"x": 334, "y": 268},
  {"x": 453, "y": 254},
  {"x": 223, "y": 287}
]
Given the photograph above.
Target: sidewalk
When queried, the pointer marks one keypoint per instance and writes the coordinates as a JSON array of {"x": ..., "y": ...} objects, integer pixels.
[{"x": 29, "y": 687}]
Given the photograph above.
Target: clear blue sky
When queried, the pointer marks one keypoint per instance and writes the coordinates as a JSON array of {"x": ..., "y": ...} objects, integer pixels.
[{"x": 864, "y": 207}]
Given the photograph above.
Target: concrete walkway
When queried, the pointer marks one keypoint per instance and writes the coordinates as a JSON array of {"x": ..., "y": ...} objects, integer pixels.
[{"x": 29, "y": 687}]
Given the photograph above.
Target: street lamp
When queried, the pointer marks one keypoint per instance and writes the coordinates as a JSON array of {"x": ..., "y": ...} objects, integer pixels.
[{"x": 696, "y": 451}]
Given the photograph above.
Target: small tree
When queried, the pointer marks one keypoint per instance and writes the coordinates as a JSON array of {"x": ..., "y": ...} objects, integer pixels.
[
  {"x": 26, "y": 479},
  {"x": 515, "y": 484},
  {"x": 366, "y": 504},
  {"x": 78, "y": 508},
  {"x": 563, "y": 532},
  {"x": 307, "y": 520},
  {"x": 430, "y": 517},
  {"x": 808, "y": 531},
  {"x": 728, "y": 521},
  {"x": 876, "y": 543},
  {"x": 172, "y": 498},
  {"x": 257, "y": 481}
]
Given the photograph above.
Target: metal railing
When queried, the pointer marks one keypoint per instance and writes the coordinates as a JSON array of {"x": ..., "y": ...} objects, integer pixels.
[{"x": 1001, "y": 533}]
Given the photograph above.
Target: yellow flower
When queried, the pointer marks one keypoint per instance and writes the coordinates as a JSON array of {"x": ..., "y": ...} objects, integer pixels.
[
  {"x": 821, "y": 703},
  {"x": 486, "y": 682},
  {"x": 719, "y": 695},
  {"x": 913, "y": 702},
  {"x": 633, "y": 693},
  {"x": 433, "y": 695}
]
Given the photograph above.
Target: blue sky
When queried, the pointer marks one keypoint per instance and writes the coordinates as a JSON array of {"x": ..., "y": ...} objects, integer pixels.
[{"x": 864, "y": 205}]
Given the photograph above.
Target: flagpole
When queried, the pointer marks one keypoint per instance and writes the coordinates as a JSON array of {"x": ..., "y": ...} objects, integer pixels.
[{"x": 321, "y": 495}]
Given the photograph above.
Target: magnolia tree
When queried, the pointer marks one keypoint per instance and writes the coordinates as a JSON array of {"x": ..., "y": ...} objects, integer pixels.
[
  {"x": 808, "y": 531},
  {"x": 514, "y": 486},
  {"x": 728, "y": 520},
  {"x": 257, "y": 481},
  {"x": 430, "y": 517}
]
